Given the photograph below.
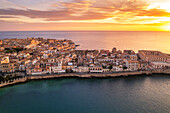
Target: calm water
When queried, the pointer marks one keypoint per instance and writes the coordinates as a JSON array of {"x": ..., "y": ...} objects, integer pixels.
[
  {"x": 113, "y": 95},
  {"x": 104, "y": 40},
  {"x": 71, "y": 95}
]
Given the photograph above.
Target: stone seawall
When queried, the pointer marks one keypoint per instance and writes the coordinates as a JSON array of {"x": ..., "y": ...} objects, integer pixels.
[
  {"x": 7, "y": 83},
  {"x": 88, "y": 75}
]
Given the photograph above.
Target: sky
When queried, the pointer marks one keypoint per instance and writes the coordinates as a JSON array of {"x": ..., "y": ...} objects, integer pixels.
[{"x": 85, "y": 15}]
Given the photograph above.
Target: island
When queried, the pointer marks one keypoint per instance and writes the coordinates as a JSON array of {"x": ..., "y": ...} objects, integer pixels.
[{"x": 22, "y": 60}]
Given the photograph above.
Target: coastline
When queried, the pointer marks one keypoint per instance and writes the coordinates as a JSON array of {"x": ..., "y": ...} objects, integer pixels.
[{"x": 80, "y": 75}]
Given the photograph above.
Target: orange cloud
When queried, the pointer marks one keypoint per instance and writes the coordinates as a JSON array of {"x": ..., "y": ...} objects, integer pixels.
[
  {"x": 90, "y": 10},
  {"x": 154, "y": 12},
  {"x": 114, "y": 12}
]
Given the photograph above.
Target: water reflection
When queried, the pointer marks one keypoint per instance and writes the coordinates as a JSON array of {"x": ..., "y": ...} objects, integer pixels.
[
  {"x": 120, "y": 94},
  {"x": 104, "y": 40}
]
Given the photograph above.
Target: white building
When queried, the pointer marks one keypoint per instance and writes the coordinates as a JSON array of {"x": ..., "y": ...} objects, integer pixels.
[
  {"x": 36, "y": 73},
  {"x": 132, "y": 65},
  {"x": 45, "y": 56},
  {"x": 58, "y": 69},
  {"x": 82, "y": 69},
  {"x": 55, "y": 69},
  {"x": 117, "y": 68},
  {"x": 96, "y": 69},
  {"x": 106, "y": 59}
]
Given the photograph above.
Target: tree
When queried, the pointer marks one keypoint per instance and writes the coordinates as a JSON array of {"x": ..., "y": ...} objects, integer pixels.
[
  {"x": 104, "y": 67},
  {"x": 110, "y": 67},
  {"x": 124, "y": 67},
  {"x": 1, "y": 78}
]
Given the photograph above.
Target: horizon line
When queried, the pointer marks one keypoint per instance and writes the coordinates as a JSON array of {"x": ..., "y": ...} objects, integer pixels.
[{"x": 78, "y": 31}]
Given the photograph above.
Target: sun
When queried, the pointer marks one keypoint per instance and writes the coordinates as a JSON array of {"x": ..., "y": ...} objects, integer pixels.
[
  {"x": 165, "y": 6},
  {"x": 162, "y": 5},
  {"x": 167, "y": 28}
]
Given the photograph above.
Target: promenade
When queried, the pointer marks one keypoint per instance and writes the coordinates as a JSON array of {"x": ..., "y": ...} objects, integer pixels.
[
  {"x": 15, "y": 81},
  {"x": 83, "y": 75}
]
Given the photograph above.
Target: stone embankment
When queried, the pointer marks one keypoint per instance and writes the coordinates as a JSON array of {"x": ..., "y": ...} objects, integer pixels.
[
  {"x": 16, "y": 81},
  {"x": 83, "y": 75},
  {"x": 100, "y": 75}
]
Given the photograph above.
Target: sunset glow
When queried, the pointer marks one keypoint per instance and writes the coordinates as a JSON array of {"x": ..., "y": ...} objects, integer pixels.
[
  {"x": 165, "y": 6},
  {"x": 167, "y": 27},
  {"x": 117, "y": 15}
]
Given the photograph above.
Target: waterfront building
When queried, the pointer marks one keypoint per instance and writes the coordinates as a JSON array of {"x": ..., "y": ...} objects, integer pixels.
[
  {"x": 153, "y": 56},
  {"x": 160, "y": 65},
  {"x": 57, "y": 68},
  {"x": 95, "y": 69},
  {"x": 132, "y": 65},
  {"x": 7, "y": 67},
  {"x": 45, "y": 56},
  {"x": 81, "y": 69},
  {"x": 117, "y": 68},
  {"x": 106, "y": 70},
  {"x": 48, "y": 68}
]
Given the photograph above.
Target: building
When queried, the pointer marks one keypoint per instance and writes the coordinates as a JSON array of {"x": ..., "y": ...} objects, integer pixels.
[
  {"x": 160, "y": 65},
  {"x": 144, "y": 65},
  {"x": 133, "y": 57},
  {"x": 130, "y": 52},
  {"x": 114, "y": 50},
  {"x": 58, "y": 69},
  {"x": 117, "y": 68},
  {"x": 5, "y": 60},
  {"x": 22, "y": 68},
  {"x": 153, "y": 56},
  {"x": 105, "y": 59},
  {"x": 48, "y": 68},
  {"x": 7, "y": 67},
  {"x": 132, "y": 65},
  {"x": 82, "y": 69},
  {"x": 95, "y": 69}
]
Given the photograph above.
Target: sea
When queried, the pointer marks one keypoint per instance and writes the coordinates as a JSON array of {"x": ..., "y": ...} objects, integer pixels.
[
  {"x": 132, "y": 94},
  {"x": 122, "y": 40}
]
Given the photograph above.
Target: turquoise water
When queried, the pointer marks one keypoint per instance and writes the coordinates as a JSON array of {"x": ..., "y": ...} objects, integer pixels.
[{"x": 131, "y": 94}]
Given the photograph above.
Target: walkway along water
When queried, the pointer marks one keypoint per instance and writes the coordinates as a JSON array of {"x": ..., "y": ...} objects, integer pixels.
[{"x": 82, "y": 75}]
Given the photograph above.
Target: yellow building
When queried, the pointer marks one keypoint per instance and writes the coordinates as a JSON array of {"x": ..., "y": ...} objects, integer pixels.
[
  {"x": 32, "y": 44},
  {"x": 5, "y": 60},
  {"x": 7, "y": 67}
]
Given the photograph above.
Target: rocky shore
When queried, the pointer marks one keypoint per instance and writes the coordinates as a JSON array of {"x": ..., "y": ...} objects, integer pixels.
[{"x": 87, "y": 75}]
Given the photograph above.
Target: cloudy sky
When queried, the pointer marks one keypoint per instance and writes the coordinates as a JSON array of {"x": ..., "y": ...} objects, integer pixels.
[{"x": 63, "y": 15}]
